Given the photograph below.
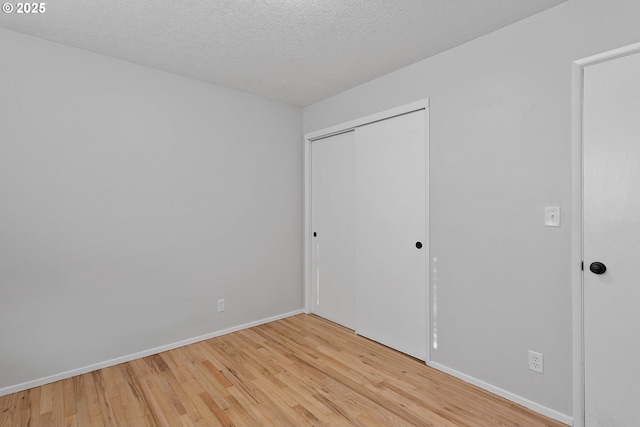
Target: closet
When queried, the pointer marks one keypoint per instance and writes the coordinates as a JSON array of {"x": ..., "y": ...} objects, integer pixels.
[{"x": 367, "y": 226}]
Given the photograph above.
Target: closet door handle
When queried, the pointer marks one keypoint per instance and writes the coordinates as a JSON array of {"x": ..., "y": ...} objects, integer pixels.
[
  {"x": 419, "y": 245},
  {"x": 597, "y": 267}
]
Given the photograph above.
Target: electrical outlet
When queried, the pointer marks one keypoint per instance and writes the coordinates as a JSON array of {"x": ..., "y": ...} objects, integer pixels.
[
  {"x": 536, "y": 362},
  {"x": 220, "y": 305}
]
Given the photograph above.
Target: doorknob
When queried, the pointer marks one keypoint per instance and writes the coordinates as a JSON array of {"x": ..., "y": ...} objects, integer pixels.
[
  {"x": 418, "y": 245},
  {"x": 597, "y": 267}
]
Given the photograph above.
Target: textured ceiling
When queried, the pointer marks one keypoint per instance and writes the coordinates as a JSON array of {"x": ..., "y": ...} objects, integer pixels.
[{"x": 297, "y": 51}]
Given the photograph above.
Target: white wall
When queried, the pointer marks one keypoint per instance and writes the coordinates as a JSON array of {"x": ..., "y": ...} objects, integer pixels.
[
  {"x": 130, "y": 201},
  {"x": 500, "y": 151}
]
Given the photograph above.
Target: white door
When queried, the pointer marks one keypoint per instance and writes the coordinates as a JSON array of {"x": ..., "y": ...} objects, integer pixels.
[
  {"x": 390, "y": 226},
  {"x": 611, "y": 138},
  {"x": 333, "y": 229}
]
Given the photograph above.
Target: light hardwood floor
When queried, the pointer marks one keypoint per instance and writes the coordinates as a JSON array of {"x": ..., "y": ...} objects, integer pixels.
[{"x": 299, "y": 371}]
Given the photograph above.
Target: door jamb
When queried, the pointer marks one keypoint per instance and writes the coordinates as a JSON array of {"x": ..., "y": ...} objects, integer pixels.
[
  {"x": 577, "y": 191},
  {"x": 422, "y": 104}
]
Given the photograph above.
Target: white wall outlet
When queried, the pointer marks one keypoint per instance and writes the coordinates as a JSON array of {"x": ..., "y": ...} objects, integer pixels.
[
  {"x": 220, "y": 305},
  {"x": 536, "y": 362},
  {"x": 552, "y": 216}
]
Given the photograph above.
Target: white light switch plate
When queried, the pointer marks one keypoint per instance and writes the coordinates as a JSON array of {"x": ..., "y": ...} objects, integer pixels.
[{"x": 552, "y": 216}]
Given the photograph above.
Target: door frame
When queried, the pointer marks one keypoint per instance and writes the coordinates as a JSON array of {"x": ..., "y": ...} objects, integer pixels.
[
  {"x": 422, "y": 104},
  {"x": 577, "y": 222}
]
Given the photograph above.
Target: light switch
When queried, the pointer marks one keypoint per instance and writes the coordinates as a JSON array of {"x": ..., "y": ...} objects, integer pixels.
[{"x": 552, "y": 216}]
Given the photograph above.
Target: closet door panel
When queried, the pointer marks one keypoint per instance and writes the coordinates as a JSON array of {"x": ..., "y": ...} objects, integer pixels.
[
  {"x": 333, "y": 226},
  {"x": 390, "y": 212}
]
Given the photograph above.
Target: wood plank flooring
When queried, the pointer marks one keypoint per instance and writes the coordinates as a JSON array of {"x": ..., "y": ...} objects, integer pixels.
[{"x": 299, "y": 371}]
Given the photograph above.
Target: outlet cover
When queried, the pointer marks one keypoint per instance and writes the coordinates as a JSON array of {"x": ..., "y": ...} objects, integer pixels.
[
  {"x": 220, "y": 305},
  {"x": 536, "y": 362}
]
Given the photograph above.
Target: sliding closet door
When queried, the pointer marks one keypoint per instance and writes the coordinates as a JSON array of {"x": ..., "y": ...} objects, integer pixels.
[
  {"x": 391, "y": 233},
  {"x": 333, "y": 228}
]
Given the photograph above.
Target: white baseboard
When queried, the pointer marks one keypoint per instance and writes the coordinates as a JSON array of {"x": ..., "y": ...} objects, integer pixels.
[
  {"x": 551, "y": 413},
  {"x": 83, "y": 370}
]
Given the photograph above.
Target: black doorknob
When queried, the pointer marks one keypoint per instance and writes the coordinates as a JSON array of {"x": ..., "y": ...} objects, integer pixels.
[
  {"x": 418, "y": 245},
  {"x": 597, "y": 267}
]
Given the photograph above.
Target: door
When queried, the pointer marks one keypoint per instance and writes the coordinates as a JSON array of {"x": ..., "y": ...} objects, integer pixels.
[
  {"x": 390, "y": 193},
  {"x": 611, "y": 150},
  {"x": 333, "y": 229}
]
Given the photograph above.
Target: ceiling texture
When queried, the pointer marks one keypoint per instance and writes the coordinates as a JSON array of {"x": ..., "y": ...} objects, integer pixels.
[{"x": 296, "y": 51}]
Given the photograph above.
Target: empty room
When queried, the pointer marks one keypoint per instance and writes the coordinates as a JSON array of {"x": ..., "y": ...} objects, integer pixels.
[{"x": 319, "y": 213}]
